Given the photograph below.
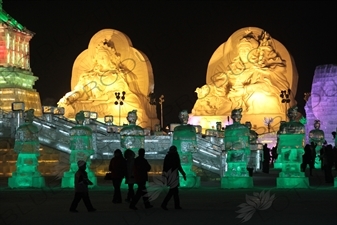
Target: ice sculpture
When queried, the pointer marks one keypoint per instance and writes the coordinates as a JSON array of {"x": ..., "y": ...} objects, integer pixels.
[
  {"x": 317, "y": 136},
  {"x": 81, "y": 147},
  {"x": 132, "y": 135},
  {"x": 185, "y": 139},
  {"x": 237, "y": 146},
  {"x": 111, "y": 65},
  {"x": 249, "y": 71},
  {"x": 27, "y": 146},
  {"x": 255, "y": 154},
  {"x": 16, "y": 77},
  {"x": 322, "y": 101},
  {"x": 290, "y": 150}
]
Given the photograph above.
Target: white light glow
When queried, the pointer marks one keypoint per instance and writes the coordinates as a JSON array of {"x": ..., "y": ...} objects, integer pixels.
[
  {"x": 63, "y": 132},
  {"x": 107, "y": 153},
  {"x": 209, "y": 166},
  {"x": 207, "y": 153},
  {"x": 48, "y": 127}
]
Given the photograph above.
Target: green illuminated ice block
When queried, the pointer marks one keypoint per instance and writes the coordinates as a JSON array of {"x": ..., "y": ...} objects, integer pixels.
[
  {"x": 185, "y": 139},
  {"x": 237, "y": 146},
  {"x": 278, "y": 162},
  {"x": 132, "y": 136},
  {"x": 290, "y": 150},
  {"x": 81, "y": 149},
  {"x": 317, "y": 136},
  {"x": 27, "y": 146}
]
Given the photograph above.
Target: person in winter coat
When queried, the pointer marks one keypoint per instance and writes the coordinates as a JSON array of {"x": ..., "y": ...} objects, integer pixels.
[
  {"x": 117, "y": 167},
  {"x": 170, "y": 172},
  {"x": 129, "y": 155},
  {"x": 141, "y": 169},
  {"x": 81, "y": 188}
]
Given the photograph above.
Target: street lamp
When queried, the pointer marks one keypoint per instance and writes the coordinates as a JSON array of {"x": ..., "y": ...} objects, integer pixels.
[
  {"x": 161, "y": 100},
  {"x": 285, "y": 95},
  {"x": 120, "y": 98},
  {"x": 152, "y": 101}
]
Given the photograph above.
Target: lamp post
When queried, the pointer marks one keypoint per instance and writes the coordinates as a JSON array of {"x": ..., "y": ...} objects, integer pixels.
[
  {"x": 285, "y": 95},
  {"x": 152, "y": 101},
  {"x": 161, "y": 100},
  {"x": 120, "y": 98}
]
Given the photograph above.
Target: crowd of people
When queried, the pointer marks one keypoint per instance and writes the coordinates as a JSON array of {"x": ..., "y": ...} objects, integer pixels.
[
  {"x": 327, "y": 157},
  {"x": 135, "y": 171}
]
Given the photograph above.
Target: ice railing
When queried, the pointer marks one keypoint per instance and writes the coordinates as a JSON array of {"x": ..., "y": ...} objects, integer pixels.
[{"x": 54, "y": 132}]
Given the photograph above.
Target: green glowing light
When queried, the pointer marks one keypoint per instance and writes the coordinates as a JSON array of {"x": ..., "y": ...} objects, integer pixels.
[
  {"x": 27, "y": 146},
  {"x": 290, "y": 151},
  {"x": 81, "y": 149},
  {"x": 184, "y": 138},
  {"x": 5, "y": 18},
  {"x": 238, "y": 150}
]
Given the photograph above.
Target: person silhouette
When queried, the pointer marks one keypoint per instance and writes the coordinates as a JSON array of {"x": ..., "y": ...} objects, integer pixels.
[
  {"x": 117, "y": 167},
  {"x": 81, "y": 188},
  {"x": 141, "y": 169},
  {"x": 171, "y": 167},
  {"x": 129, "y": 155}
]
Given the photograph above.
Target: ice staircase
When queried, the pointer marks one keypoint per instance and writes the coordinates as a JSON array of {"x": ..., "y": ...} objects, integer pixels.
[{"x": 54, "y": 134}]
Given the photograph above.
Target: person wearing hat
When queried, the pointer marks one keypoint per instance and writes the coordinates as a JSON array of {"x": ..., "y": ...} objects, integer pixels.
[{"x": 81, "y": 188}]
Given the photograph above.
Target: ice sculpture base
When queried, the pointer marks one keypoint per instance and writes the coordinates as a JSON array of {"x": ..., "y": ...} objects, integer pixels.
[
  {"x": 68, "y": 179},
  {"x": 278, "y": 164},
  {"x": 292, "y": 182},
  {"x": 26, "y": 181},
  {"x": 236, "y": 182},
  {"x": 190, "y": 182}
]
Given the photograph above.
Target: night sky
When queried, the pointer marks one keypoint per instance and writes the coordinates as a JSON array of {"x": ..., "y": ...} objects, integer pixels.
[{"x": 178, "y": 37}]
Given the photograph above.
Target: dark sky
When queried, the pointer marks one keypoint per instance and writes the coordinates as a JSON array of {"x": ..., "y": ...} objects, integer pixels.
[{"x": 179, "y": 37}]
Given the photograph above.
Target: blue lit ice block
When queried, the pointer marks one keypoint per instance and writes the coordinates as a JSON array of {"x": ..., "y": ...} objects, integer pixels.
[
  {"x": 290, "y": 151},
  {"x": 81, "y": 149}
]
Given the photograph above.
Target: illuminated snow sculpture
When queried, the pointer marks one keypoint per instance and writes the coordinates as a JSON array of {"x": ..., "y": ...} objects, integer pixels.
[
  {"x": 81, "y": 147},
  {"x": 185, "y": 139},
  {"x": 249, "y": 71},
  {"x": 109, "y": 66},
  {"x": 237, "y": 146},
  {"x": 290, "y": 150},
  {"x": 27, "y": 146}
]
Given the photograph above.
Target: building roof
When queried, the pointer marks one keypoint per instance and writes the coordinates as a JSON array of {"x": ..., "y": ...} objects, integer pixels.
[{"x": 9, "y": 21}]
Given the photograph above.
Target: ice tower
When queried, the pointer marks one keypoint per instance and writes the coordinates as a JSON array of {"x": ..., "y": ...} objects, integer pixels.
[{"x": 16, "y": 77}]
